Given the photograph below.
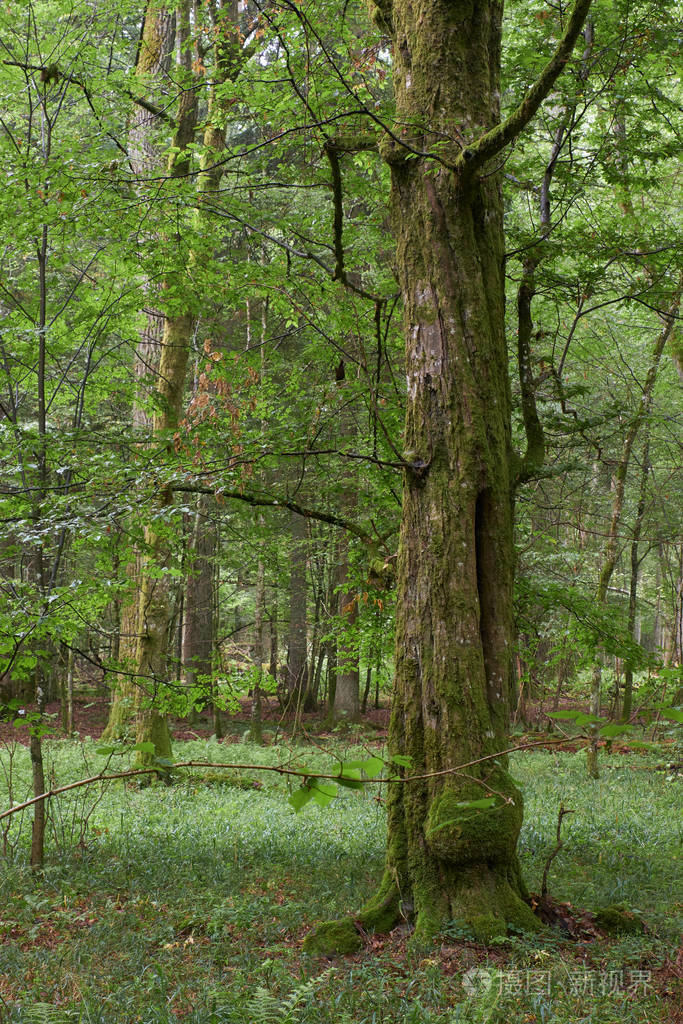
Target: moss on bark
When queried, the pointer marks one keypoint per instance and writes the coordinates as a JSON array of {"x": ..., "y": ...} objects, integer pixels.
[
  {"x": 455, "y": 567},
  {"x": 461, "y": 835},
  {"x": 336, "y": 938}
]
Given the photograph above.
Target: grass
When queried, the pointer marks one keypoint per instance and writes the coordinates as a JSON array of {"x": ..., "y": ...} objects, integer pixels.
[{"x": 189, "y": 903}]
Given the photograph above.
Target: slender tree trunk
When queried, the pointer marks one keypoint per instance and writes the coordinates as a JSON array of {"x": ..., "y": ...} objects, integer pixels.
[
  {"x": 258, "y": 653},
  {"x": 38, "y": 826},
  {"x": 611, "y": 552},
  {"x": 198, "y": 629},
  {"x": 366, "y": 691},
  {"x": 346, "y": 697},
  {"x": 297, "y": 648},
  {"x": 633, "y": 587},
  {"x": 273, "y": 633}
]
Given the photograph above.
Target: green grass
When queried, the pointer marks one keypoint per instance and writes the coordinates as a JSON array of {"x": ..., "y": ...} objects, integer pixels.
[{"x": 189, "y": 902}]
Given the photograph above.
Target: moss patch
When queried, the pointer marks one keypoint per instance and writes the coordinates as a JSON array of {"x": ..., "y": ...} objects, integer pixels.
[
  {"x": 616, "y": 919},
  {"x": 463, "y": 835},
  {"x": 333, "y": 938}
]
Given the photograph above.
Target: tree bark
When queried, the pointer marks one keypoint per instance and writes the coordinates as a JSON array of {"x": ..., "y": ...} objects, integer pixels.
[
  {"x": 154, "y": 609},
  {"x": 635, "y": 572},
  {"x": 258, "y": 651},
  {"x": 346, "y": 694},
  {"x": 197, "y": 630}
]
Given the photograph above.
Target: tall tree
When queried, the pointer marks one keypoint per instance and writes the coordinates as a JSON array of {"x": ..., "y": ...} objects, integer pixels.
[
  {"x": 155, "y": 599},
  {"x": 454, "y": 625},
  {"x": 152, "y": 64}
]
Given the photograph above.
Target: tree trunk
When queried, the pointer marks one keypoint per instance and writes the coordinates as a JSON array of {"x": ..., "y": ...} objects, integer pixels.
[
  {"x": 635, "y": 571},
  {"x": 258, "y": 652},
  {"x": 153, "y": 63},
  {"x": 38, "y": 825},
  {"x": 297, "y": 648},
  {"x": 199, "y": 602},
  {"x": 154, "y": 609},
  {"x": 454, "y": 624},
  {"x": 346, "y": 694}
]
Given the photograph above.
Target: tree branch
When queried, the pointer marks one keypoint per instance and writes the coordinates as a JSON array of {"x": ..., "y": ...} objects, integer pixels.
[
  {"x": 258, "y": 501},
  {"x": 472, "y": 158}
]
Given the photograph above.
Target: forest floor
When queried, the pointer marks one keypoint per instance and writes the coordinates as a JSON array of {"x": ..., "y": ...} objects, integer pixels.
[
  {"x": 189, "y": 902},
  {"x": 91, "y": 714}
]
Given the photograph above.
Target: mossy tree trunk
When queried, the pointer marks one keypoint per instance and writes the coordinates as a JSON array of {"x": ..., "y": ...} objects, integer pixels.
[
  {"x": 456, "y": 559},
  {"x": 156, "y": 594},
  {"x": 151, "y": 68},
  {"x": 155, "y": 606},
  {"x": 454, "y": 623}
]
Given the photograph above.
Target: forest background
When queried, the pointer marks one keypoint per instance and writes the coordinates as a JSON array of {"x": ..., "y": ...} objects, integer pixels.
[{"x": 204, "y": 378}]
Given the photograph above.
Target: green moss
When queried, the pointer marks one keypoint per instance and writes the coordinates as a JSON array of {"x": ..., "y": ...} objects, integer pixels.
[
  {"x": 121, "y": 723},
  {"x": 333, "y": 938},
  {"x": 616, "y": 919},
  {"x": 486, "y": 902},
  {"x": 461, "y": 835},
  {"x": 486, "y": 927},
  {"x": 381, "y": 912},
  {"x": 429, "y": 921}
]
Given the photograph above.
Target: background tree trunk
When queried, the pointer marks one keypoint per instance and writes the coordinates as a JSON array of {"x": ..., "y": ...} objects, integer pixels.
[
  {"x": 198, "y": 630},
  {"x": 153, "y": 62},
  {"x": 297, "y": 647}
]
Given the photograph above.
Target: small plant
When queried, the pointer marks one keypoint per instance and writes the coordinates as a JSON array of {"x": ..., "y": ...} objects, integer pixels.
[{"x": 264, "y": 1008}]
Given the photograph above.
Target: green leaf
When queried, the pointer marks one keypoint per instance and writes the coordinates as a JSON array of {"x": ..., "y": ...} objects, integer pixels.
[
  {"x": 402, "y": 760},
  {"x": 350, "y": 778},
  {"x": 614, "y": 729},
  {"x": 323, "y": 793},
  {"x": 673, "y": 714},
  {"x": 372, "y": 767},
  {"x": 568, "y": 715},
  {"x": 145, "y": 747},
  {"x": 300, "y": 798},
  {"x": 105, "y": 751},
  {"x": 582, "y": 719},
  {"x": 483, "y": 804}
]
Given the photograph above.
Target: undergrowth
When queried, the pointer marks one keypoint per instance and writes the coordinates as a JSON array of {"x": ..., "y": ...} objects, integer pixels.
[{"x": 189, "y": 902}]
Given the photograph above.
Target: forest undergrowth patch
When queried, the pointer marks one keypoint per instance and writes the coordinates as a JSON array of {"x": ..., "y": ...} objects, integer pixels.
[{"x": 189, "y": 903}]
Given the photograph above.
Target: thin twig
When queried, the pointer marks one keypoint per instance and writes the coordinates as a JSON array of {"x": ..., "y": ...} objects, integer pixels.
[{"x": 558, "y": 846}]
